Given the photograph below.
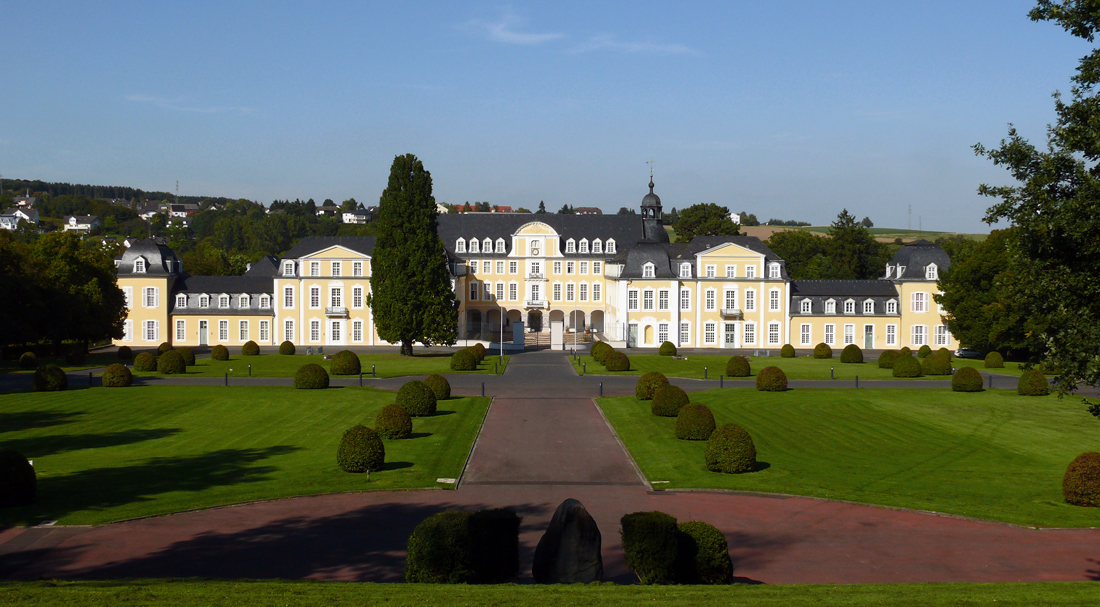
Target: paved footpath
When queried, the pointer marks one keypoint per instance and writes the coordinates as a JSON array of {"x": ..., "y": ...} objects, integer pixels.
[{"x": 544, "y": 441}]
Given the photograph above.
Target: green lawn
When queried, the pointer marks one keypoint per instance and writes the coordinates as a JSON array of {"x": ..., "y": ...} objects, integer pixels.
[
  {"x": 248, "y": 593},
  {"x": 992, "y": 455},
  {"x": 105, "y": 454},
  {"x": 277, "y": 365},
  {"x": 802, "y": 367}
]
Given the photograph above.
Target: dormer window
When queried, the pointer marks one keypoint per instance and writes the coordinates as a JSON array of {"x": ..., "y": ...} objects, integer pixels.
[
  {"x": 806, "y": 306},
  {"x": 647, "y": 270},
  {"x": 245, "y": 301},
  {"x": 139, "y": 265},
  {"x": 610, "y": 246},
  {"x": 181, "y": 301},
  {"x": 500, "y": 245},
  {"x": 869, "y": 306},
  {"x": 584, "y": 246},
  {"x": 773, "y": 270},
  {"x": 288, "y": 268},
  {"x": 204, "y": 301},
  {"x": 685, "y": 270},
  {"x": 475, "y": 246},
  {"x": 487, "y": 246},
  {"x": 892, "y": 306},
  {"x": 460, "y": 245},
  {"x": 889, "y": 270},
  {"x": 931, "y": 272},
  {"x": 223, "y": 301},
  {"x": 265, "y": 302},
  {"x": 597, "y": 246},
  {"x": 850, "y": 307},
  {"x": 901, "y": 270},
  {"x": 830, "y": 306},
  {"x": 570, "y": 246}
]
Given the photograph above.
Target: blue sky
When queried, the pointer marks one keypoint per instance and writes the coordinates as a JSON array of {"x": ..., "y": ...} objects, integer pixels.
[{"x": 784, "y": 109}]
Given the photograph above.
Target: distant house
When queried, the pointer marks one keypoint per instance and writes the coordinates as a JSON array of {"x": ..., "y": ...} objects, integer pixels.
[
  {"x": 26, "y": 214},
  {"x": 81, "y": 223},
  {"x": 328, "y": 210},
  {"x": 587, "y": 211},
  {"x": 441, "y": 209},
  {"x": 147, "y": 211},
  {"x": 8, "y": 221},
  {"x": 500, "y": 208},
  {"x": 361, "y": 216},
  {"x": 25, "y": 201},
  {"x": 178, "y": 210}
]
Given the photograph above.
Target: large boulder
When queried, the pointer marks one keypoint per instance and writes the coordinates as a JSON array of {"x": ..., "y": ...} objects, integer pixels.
[{"x": 569, "y": 551}]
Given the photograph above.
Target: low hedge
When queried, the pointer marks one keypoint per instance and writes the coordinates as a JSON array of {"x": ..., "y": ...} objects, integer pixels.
[
  {"x": 924, "y": 351},
  {"x": 1081, "y": 483},
  {"x": 667, "y": 349},
  {"x": 164, "y": 347},
  {"x": 617, "y": 361},
  {"x": 171, "y": 363},
  {"x": 771, "y": 379},
  {"x": 600, "y": 350},
  {"x": 730, "y": 450},
  {"x": 822, "y": 350},
  {"x": 738, "y": 366},
  {"x": 966, "y": 379},
  {"x": 28, "y": 360},
  {"x": 417, "y": 398},
  {"x": 650, "y": 544},
  {"x": 439, "y": 385},
  {"x": 439, "y": 550},
  {"x": 117, "y": 376},
  {"x": 694, "y": 422},
  {"x": 286, "y": 348},
  {"x": 887, "y": 358},
  {"x": 393, "y": 422},
  {"x": 702, "y": 555},
  {"x": 125, "y": 353},
  {"x": 361, "y": 450},
  {"x": 648, "y": 384},
  {"x": 188, "y": 355},
  {"x": 50, "y": 378},
  {"x": 907, "y": 366},
  {"x": 145, "y": 361},
  {"x": 994, "y": 360},
  {"x": 464, "y": 360},
  {"x": 219, "y": 352},
  {"x": 936, "y": 364},
  {"x": 345, "y": 362},
  {"x": 311, "y": 376},
  {"x": 851, "y": 354},
  {"x": 1033, "y": 383},
  {"x": 787, "y": 351},
  {"x": 250, "y": 348},
  {"x": 18, "y": 482},
  {"x": 944, "y": 352},
  {"x": 668, "y": 400}
]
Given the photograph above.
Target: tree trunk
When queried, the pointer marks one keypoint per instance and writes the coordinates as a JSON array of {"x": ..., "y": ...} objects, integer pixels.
[{"x": 406, "y": 348}]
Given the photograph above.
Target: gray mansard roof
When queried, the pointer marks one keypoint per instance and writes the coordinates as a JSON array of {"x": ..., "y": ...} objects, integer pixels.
[
  {"x": 314, "y": 244},
  {"x": 915, "y": 257},
  {"x": 820, "y": 291},
  {"x": 159, "y": 259},
  {"x": 194, "y": 287},
  {"x": 666, "y": 257},
  {"x": 624, "y": 229}
]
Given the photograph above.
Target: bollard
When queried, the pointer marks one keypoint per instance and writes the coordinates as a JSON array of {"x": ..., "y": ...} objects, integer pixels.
[
  {"x": 857, "y": 381},
  {"x": 250, "y": 370},
  {"x": 360, "y": 379},
  {"x": 831, "y": 374},
  {"x": 704, "y": 372},
  {"x": 721, "y": 381},
  {"x": 227, "y": 379},
  {"x": 584, "y": 368},
  {"x": 372, "y": 371},
  {"x": 89, "y": 379},
  {"x": 601, "y": 388},
  {"x": 483, "y": 388},
  {"x": 990, "y": 381},
  {"x": 495, "y": 364}
]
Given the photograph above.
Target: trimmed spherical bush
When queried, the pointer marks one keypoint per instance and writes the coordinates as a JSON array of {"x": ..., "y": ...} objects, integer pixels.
[
  {"x": 600, "y": 351},
  {"x": 730, "y": 450},
  {"x": 1081, "y": 483},
  {"x": 171, "y": 363},
  {"x": 667, "y": 349},
  {"x": 439, "y": 385},
  {"x": 345, "y": 362},
  {"x": 924, "y": 351},
  {"x": 1033, "y": 383},
  {"x": 250, "y": 348},
  {"x": 18, "y": 482},
  {"x": 286, "y": 348},
  {"x": 787, "y": 351},
  {"x": 188, "y": 355},
  {"x": 617, "y": 361},
  {"x": 887, "y": 358},
  {"x": 393, "y": 421},
  {"x": 648, "y": 384},
  {"x": 164, "y": 347},
  {"x": 311, "y": 376},
  {"x": 219, "y": 353},
  {"x": 145, "y": 361},
  {"x": 694, "y": 422},
  {"x": 936, "y": 364},
  {"x": 650, "y": 543},
  {"x": 851, "y": 354},
  {"x": 668, "y": 400},
  {"x": 905, "y": 351},
  {"x": 738, "y": 366},
  {"x": 440, "y": 549},
  {"x": 417, "y": 398},
  {"x": 966, "y": 379},
  {"x": 944, "y": 352},
  {"x": 479, "y": 350},
  {"x": 994, "y": 360},
  {"x": 28, "y": 360},
  {"x": 702, "y": 556},
  {"x": 823, "y": 350},
  {"x": 361, "y": 450},
  {"x": 125, "y": 353},
  {"x": 50, "y": 378},
  {"x": 117, "y": 376},
  {"x": 771, "y": 379},
  {"x": 464, "y": 360},
  {"x": 907, "y": 366}
]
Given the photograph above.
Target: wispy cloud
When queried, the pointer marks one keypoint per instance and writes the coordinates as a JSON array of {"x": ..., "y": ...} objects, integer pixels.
[
  {"x": 506, "y": 31},
  {"x": 180, "y": 105},
  {"x": 608, "y": 42}
]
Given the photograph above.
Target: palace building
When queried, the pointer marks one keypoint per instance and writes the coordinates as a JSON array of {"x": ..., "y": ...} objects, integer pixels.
[{"x": 616, "y": 276}]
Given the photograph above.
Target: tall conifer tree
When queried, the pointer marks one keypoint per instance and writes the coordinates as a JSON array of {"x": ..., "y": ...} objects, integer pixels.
[{"x": 411, "y": 293}]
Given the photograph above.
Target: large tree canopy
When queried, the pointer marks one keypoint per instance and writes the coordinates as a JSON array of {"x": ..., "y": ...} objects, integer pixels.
[
  {"x": 704, "y": 220},
  {"x": 1055, "y": 208},
  {"x": 849, "y": 252},
  {"x": 411, "y": 294}
]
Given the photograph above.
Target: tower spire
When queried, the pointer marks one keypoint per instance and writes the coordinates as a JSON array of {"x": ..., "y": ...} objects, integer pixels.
[{"x": 650, "y": 163}]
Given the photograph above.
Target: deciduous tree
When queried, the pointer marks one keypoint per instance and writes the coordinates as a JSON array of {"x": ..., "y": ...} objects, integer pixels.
[{"x": 704, "y": 219}]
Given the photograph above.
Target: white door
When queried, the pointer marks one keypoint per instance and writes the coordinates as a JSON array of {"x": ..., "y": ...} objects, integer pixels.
[{"x": 337, "y": 333}]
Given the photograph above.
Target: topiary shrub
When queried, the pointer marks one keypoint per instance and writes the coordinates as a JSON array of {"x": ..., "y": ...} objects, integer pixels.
[
  {"x": 393, "y": 421},
  {"x": 76, "y": 356},
  {"x": 117, "y": 376},
  {"x": 188, "y": 355},
  {"x": 439, "y": 550},
  {"x": 668, "y": 400},
  {"x": 823, "y": 350},
  {"x": 50, "y": 378},
  {"x": 944, "y": 352},
  {"x": 28, "y": 360},
  {"x": 648, "y": 384},
  {"x": 600, "y": 350},
  {"x": 650, "y": 545},
  {"x": 905, "y": 351},
  {"x": 345, "y": 362},
  {"x": 18, "y": 482},
  {"x": 966, "y": 379},
  {"x": 994, "y": 360},
  {"x": 702, "y": 555},
  {"x": 887, "y": 358},
  {"x": 617, "y": 361},
  {"x": 936, "y": 364},
  {"x": 164, "y": 347},
  {"x": 494, "y": 546},
  {"x": 464, "y": 360},
  {"x": 479, "y": 350},
  {"x": 311, "y": 376},
  {"x": 1081, "y": 484},
  {"x": 417, "y": 398},
  {"x": 851, "y": 354},
  {"x": 250, "y": 348},
  {"x": 771, "y": 379},
  {"x": 125, "y": 353},
  {"x": 667, "y": 349},
  {"x": 924, "y": 351},
  {"x": 286, "y": 348},
  {"x": 219, "y": 353},
  {"x": 907, "y": 366},
  {"x": 361, "y": 450},
  {"x": 1033, "y": 383},
  {"x": 145, "y": 362},
  {"x": 738, "y": 366},
  {"x": 787, "y": 351},
  {"x": 730, "y": 449},
  {"x": 171, "y": 363},
  {"x": 439, "y": 385},
  {"x": 694, "y": 422}
]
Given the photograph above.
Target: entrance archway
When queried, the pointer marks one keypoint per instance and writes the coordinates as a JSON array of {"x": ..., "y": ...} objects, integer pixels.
[
  {"x": 557, "y": 315},
  {"x": 473, "y": 324},
  {"x": 648, "y": 339},
  {"x": 534, "y": 320},
  {"x": 576, "y": 320},
  {"x": 596, "y": 322}
]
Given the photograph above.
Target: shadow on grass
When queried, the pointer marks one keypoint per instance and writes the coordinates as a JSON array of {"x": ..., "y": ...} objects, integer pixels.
[
  {"x": 418, "y": 435},
  {"x": 27, "y": 420},
  {"x": 62, "y": 443}
]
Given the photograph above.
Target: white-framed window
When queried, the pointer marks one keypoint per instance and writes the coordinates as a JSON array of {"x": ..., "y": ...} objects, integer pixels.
[
  {"x": 685, "y": 299},
  {"x": 288, "y": 268},
  {"x": 513, "y": 291},
  {"x": 597, "y": 246},
  {"x": 265, "y": 331},
  {"x": 850, "y": 307},
  {"x": 750, "y": 300},
  {"x": 181, "y": 330},
  {"x": 223, "y": 301},
  {"x": 204, "y": 301},
  {"x": 128, "y": 330},
  {"x": 570, "y": 246},
  {"x": 288, "y": 330},
  {"x": 610, "y": 248},
  {"x": 243, "y": 330},
  {"x": 773, "y": 300},
  {"x": 500, "y": 245},
  {"x": 849, "y": 334},
  {"x": 513, "y": 267},
  {"x": 931, "y": 272},
  {"x": 570, "y": 267},
  {"x": 830, "y": 334},
  {"x": 288, "y": 297},
  {"x": 265, "y": 302},
  {"x": 315, "y": 297},
  {"x": 139, "y": 265},
  {"x": 750, "y": 333},
  {"x": 584, "y": 291},
  {"x": 557, "y": 267},
  {"x": 869, "y": 306},
  {"x": 919, "y": 335},
  {"x": 647, "y": 300},
  {"x": 475, "y": 246},
  {"x": 806, "y": 336},
  {"x": 357, "y": 297},
  {"x": 336, "y": 297},
  {"x": 595, "y": 291},
  {"x": 892, "y": 306},
  {"x": 685, "y": 270},
  {"x": 830, "y": 306},
  {"x": 536, "y": 268},
  {"x": 685, "y": 332},
  {"x": 731, "y": 271},
  {"x": 535, "y": 293},
  {"x": 487, "y": 291},
  {"x": 941, "y": 335},
  {"x": 750, "y": 271},
  {"x": 584, "y": 268},
  {"x": 128, "y": 295},
  {"x": 712, "y": 271},
  {"x": 486, "y": 266},
  {"x": 315, "y": 330},
  {"x": 500, "y": 267},
  {"x": 151, "y": 330},
  {"x": 710, "y": 295},
  {"x": 150, "y": 297},
  {"x": 583, "y": 248},
  {"x": 773, "y": 333},
  {"x": 730, "y": 300},
  {"x": 474, "y": 287},
  {"x": 244, "y": 302},
  {"x": 356, "y": 268},
  {"x": 891, "y": 335},
  {"x": 662, "y": 333},
  {"x": 709, "y": 333},
  {"x": 337, "y": 328},
  {"x": 662, "y": 301},
  {"x": 357, "y": 330},
  {"x": 557, "y": 291},
  {"x": 181, "y": 301},
  {"x": 337, "y": 268},
  {"x": 805, "y": 306},
  {"x": 647, "y": 270},
  {"x": 223, "y": 330},
  {"x": 773, "y": 270},
  {"x": 314, "y": 268},
  {"x": 632, "y": 299},
  {"x": 460, "y": 245},
  {"x": 570, "y": 290},
  {"x": 500, "y": 290},
  {"x": 487, "y": 246},
  {"x": 920, "y": 302}
]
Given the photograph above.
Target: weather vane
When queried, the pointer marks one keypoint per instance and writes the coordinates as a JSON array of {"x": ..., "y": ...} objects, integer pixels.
[{"x": 650, "y": 163}]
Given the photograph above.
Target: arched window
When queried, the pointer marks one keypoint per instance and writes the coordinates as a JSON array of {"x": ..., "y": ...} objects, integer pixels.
[
  {"x": 647, "y": 270},
  {"x": 570, "y": 246},
  {"x": 474, "y": 248},
  {"x": 610, "y": 246},
  {"x": 500, "y": 245},
  {"x": 460, "y": 245},
  {"x": 583, "y": 246},
  {"x": 139, "y": 265},
  {"x": 931, "y": 272},
  {"x": 597, "y": 246},
  {"x": 892, "y": 306}
]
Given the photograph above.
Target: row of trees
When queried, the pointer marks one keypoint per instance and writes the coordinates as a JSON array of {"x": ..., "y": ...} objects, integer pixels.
[{"x": 850, "y": 251}]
